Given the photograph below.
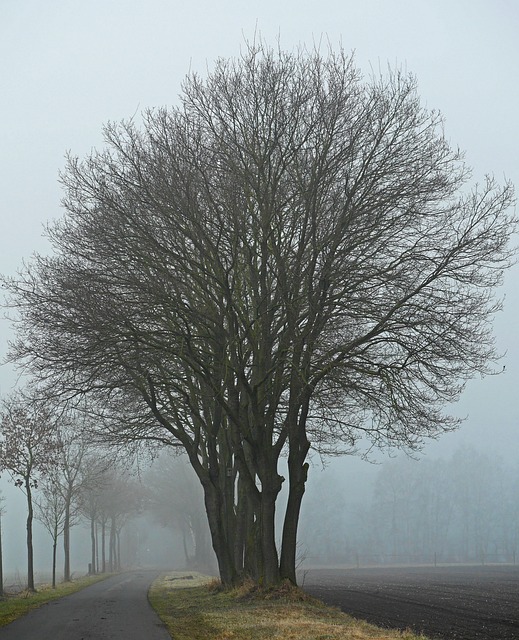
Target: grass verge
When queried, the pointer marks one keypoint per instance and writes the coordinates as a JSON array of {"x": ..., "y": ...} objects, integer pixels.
[
  {"x": 194, "y": 608},
  {"x": 15, "y": 606}
]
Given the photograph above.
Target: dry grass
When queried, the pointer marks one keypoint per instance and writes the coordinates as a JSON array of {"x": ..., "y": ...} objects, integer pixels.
[{"x": 196, "y": 608}]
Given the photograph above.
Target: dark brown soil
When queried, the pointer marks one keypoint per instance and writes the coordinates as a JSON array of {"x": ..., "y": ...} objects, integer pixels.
[{"x": 465, "y": 603}]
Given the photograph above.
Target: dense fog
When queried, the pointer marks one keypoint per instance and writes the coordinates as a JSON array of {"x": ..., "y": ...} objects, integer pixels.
[
  {"x": 458, "y": 508},
  {"x": 156, "y": 518},
  {"x": 68, "y": 72},
  {"x": 461, "y": 508}
]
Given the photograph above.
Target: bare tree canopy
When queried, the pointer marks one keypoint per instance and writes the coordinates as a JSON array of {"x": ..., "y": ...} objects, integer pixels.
[{"x": 290, "y": 258}]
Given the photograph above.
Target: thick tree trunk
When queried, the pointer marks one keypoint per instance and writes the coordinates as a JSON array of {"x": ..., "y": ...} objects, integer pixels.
[
  {"x": 297, "y": 479},
  {"x": 252, "y": 552},
  {"x": 219, "y": 538},
  {"x": 297, "y": 475},
  {"x": 269, "y": 567},
  {"x": 214, "y": 487},
  {"x": 202, "y": 552}
]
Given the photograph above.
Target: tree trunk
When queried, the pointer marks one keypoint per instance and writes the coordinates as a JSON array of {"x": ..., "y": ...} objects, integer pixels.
[
  {"x": 66, "y": 542},
  {"x": 97, "y": 549},
  {"x": 184, "y": 544},
  {"x": 54, "y": 550},
  {"x": 298, "y": 446},
  {"x": 252, "y": 556},
  {"x": 202, "y": 552},
  {"x": 93, "y": 544},
  {"x": 103, "y": 545},
  {"x": 224, "y": 555},
  {"x": 118, "y": 555},
  {"x": 2, "y": 594},
  {"x": 242, "y": 513},
  {"x": 214, "y": 507},
  {"x": 30, "y": 553},
  {"x": 269, "y": 568},
  {"x": 111, "y": 547},
  {"x": 297, "y": 479}
]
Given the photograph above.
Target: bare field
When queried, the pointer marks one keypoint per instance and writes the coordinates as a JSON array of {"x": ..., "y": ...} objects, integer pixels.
[{"x": 462, "y": 603}]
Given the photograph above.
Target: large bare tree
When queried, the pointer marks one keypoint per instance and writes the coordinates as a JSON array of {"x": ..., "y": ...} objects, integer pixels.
[{"x": 290, "y": 258}]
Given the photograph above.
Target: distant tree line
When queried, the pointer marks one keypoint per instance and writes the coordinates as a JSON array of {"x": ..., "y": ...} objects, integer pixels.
[{"x": 458, "y": 509}]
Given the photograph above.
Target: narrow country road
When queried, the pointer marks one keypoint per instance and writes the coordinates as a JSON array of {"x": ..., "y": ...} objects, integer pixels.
[{"x": 115, "y": 609}]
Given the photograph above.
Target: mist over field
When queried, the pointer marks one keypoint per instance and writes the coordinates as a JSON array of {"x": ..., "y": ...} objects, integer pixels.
[{"x": 457, "y": 509}]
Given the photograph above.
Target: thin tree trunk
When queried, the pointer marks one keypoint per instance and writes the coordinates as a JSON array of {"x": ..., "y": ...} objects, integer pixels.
[
  {"x": 97, "y": 549},
  {"x": 112, "y": 562},
  {"x": 54, "y": 550},
  {"x": 103, "y": 545},
  {"x": 93, "y": 545},
  {"x": 271, "y": 483},
  {"x": 111, "y": 548},
  {"x": 2, "y": 594},
  {"x": 66, "y": 542},
  {"x": 30, "y": 552},
  {"x": 184, "y": 545}
]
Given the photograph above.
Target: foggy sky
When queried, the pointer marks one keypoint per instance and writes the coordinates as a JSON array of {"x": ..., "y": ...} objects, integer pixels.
[{"x": 69, "y": 66}]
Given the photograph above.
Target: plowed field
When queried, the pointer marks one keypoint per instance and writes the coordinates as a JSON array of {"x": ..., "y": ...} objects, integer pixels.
[{"x": 462, "y": 603}]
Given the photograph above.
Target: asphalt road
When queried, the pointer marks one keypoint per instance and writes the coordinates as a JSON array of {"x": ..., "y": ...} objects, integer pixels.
[
  {"x": 116, "y": 608},
  {"x": 451, "y": 603}
]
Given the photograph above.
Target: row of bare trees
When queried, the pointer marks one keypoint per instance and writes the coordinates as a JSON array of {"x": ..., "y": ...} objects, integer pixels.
[
  {"x": 291, "y": 258},
  {"x": 48, "y": 457}
]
